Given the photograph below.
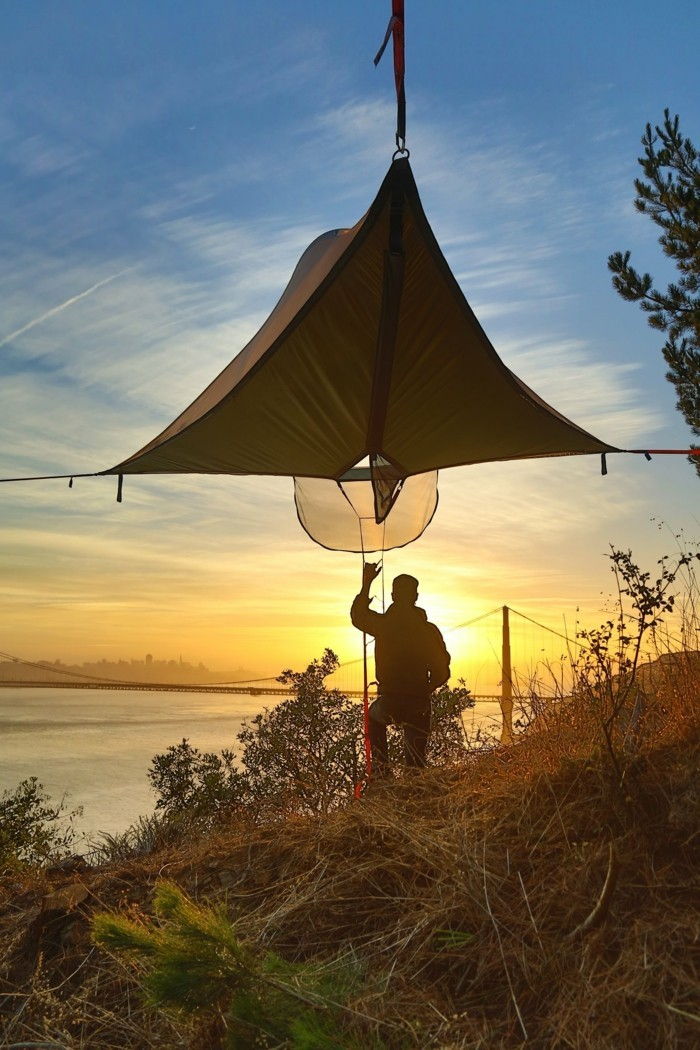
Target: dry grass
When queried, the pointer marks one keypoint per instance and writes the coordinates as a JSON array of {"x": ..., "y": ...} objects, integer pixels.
[{"x": 526, "y": 898}]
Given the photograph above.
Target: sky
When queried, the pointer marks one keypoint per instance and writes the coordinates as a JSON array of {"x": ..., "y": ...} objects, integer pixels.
[{"x": 162, "y": 168}]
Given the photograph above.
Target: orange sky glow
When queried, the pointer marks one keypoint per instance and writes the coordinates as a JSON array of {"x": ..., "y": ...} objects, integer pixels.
[{"x": 253, "y": 601}]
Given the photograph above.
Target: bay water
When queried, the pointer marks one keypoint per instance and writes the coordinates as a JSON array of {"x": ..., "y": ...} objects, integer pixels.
[{"x": 93, "y": 747}]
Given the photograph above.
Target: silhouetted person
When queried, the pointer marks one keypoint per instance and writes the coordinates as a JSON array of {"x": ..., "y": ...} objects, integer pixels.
[{"x": 411, "y": 662}]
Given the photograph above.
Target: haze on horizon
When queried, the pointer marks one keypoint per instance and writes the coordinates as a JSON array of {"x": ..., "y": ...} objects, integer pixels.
[{"x": 163, "y": 171}]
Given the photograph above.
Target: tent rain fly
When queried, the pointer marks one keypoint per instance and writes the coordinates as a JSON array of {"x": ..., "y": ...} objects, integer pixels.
[{"x": 372, "y": 351}]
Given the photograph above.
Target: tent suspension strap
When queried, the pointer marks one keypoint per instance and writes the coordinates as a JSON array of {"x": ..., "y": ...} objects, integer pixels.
[
  {"x": 392, "y": 288},
  {"x": 396, "y": 29},
  {"x": 55, "y": 477},
  {"x": 649, "y": 452}
]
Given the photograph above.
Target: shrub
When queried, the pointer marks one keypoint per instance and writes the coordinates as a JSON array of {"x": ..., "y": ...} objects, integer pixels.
[
  {"x": 203, "y": 785},
  {"x": 33, "y": 829},
  {"x": 305, "y": 754},
  {"x": 307, "y": 750},
  {"x": 610, "y": 679},
  {"x": 448, "y": 738}
]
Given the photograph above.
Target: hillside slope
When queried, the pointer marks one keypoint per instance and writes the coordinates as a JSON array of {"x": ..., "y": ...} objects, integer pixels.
[{"x": 525, "y": 898}]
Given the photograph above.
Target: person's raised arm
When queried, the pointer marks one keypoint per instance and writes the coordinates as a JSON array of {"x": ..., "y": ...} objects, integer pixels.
[{"x": 360, "y": 613}]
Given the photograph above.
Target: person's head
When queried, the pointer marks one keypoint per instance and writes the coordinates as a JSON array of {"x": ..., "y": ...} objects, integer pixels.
[{"x": 404, "y": 589}]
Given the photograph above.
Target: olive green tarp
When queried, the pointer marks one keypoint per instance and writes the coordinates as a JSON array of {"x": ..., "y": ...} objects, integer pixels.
[{"x": 372, "y": 350}]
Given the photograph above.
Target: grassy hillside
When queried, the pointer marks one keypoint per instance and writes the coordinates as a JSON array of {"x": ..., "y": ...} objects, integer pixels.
[{"x": 523, "y": 898}]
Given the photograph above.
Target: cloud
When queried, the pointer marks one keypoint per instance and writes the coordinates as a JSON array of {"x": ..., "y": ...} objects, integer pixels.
[
  {"x": 594, "y": 393},
  {"x": 58, "y": 309},
  {"x": 252, "y": 260},
  {"x": 36, "y": 157}
]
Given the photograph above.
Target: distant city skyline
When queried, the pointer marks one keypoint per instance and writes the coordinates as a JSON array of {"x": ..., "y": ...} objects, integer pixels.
[{"x": 131, "y": 669}]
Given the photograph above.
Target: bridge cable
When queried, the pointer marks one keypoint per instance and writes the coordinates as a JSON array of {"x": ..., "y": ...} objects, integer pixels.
[{"x": 544, "y": 627}]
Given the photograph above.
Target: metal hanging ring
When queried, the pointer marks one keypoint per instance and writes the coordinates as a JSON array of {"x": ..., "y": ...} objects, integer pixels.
[{"x": 402, "y": 151}]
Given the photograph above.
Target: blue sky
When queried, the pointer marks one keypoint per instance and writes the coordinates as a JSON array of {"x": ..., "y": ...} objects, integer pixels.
[{"x": 173, "y": 161}]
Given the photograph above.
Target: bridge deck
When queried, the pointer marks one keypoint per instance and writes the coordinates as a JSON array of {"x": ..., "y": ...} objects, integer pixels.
[{"x": 168, "y": 687}]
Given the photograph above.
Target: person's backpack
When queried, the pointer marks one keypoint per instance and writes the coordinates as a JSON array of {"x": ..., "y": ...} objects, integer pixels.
[{"x": 438, "y": 658}]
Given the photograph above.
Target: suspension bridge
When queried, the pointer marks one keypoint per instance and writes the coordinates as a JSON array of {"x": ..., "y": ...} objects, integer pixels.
[{"x": 497, "y": 654}]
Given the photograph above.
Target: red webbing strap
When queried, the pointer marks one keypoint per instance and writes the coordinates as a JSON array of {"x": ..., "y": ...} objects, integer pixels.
[
  {"x": 359, "y": 786},
  {"x": 365, "y": 721},
  {"x": 396, "y": 29},
  {"x": 399, "y": 71},
  {"x": 365, "y": 708}
]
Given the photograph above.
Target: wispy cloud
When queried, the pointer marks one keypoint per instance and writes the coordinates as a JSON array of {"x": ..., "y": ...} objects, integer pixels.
[
  {"x": 59, "y": 309},
  {"x": 595, "y": 394},
  {"x": 36, "y": 156}
]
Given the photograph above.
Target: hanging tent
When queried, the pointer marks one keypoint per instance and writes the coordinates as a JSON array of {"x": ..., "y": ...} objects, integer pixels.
[{"x": 371, "y": 352}]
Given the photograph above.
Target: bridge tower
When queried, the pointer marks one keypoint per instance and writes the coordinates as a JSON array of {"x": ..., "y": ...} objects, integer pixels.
[{"x": 506, "y": 682}]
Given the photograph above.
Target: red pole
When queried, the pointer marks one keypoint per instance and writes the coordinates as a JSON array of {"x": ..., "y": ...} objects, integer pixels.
[{"x": 365, "y": 705}]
